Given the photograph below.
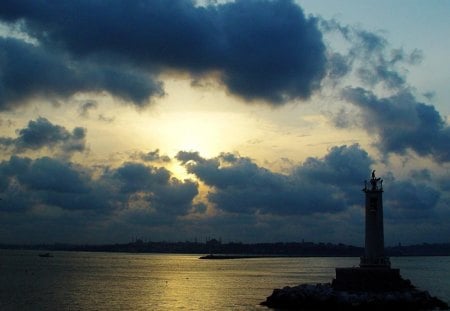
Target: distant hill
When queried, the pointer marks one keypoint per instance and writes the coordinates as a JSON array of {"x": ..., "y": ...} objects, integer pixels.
[{"x": 301, "y": 249}]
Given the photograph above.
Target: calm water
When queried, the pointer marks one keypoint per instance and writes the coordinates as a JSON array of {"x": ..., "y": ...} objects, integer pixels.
[{"x": 110, "y": 281}]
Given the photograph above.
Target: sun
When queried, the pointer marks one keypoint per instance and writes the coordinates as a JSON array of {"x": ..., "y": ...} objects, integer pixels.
[{"x": 205, "y": 132}]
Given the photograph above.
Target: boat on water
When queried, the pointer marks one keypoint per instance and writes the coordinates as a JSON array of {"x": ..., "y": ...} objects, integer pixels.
[{"x": 45, "y": 255}]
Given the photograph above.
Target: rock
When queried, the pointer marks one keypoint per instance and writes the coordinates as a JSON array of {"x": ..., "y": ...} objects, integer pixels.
[{"x": 323, "y": 296}]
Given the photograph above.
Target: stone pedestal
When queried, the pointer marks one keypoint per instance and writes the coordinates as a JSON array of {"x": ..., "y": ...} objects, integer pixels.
[{"x": 370, "y": 279}]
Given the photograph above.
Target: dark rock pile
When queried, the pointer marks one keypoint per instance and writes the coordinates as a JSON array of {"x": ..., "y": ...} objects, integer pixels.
[{"x": 325, "y": 297}]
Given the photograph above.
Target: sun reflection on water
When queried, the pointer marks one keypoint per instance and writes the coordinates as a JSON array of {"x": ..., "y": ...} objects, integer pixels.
[{"x": 111, "y": 281}]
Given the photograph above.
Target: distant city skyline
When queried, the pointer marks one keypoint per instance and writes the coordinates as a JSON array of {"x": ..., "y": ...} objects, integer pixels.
[{"x": 253, "y": 121}]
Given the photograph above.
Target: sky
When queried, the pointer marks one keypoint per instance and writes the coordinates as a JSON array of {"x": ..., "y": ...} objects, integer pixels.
[{"x": 246, "y": 120}]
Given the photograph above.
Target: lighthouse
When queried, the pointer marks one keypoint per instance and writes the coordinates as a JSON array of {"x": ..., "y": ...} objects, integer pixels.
[
  {"x": 374, "y": 285},
  {"x": 374, "y": 272},
  {"x": 374, "y": 232}
]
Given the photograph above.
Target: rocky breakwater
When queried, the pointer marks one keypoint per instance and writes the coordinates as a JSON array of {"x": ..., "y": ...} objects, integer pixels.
[{"x": 325, "y": 297}]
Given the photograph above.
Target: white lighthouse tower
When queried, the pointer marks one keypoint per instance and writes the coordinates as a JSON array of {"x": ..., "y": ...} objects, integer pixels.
[{"x": 374, "y": 239}]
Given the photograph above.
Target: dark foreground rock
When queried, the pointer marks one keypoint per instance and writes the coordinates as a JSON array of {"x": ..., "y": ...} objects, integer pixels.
[{"x": 323, "y": 297}]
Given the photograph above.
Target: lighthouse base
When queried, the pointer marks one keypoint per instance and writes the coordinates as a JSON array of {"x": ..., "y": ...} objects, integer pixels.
[
  {"x": 377, "y": 279},
  {"x": 324, "y": 297}
]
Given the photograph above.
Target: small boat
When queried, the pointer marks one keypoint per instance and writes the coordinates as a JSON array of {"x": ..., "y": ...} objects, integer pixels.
[{"x": 45, "y": 255}]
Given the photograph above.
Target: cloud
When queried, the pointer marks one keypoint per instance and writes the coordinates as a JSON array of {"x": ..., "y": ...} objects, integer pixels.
[
  {"x": 84, "y": 108},
  {"x": 338, "y": 66},
  {"x": 138, "y": 177},
  {"x": 342, "y": 165},
  {"x": 46, "y": 181},
  {"x": 320, "y": 199},
  {"x": 28, "y": 183},
  {"x": 29, "y": 71},
  {"x": 401, "y": 123},
  {"x": 368, "y": 57},
  {"x": 187, "y": 156},
  {"x": 273, "y": 51},
  {"x": 41, "y": 133},
  {"x": 52, "y": 175},
  {"x": 154, "y": 156},
  {"x": 106, "y": 119},
  {"x": 162, "y": 192},
  {"x": 397, "y": 119},
  {"x": 240, "y": 186},
  {"x": 325, "y": 192},
  {"x": 408, "y": 202},
  {"x": 422, "y": 174},
  {"x": 259, "y": 49}
]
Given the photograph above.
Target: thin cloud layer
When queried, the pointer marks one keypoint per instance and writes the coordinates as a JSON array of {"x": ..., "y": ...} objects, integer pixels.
[
  {"x": 86, "y": 107},
  {"x": 261, "y": 50},
  {"x": 369, "y": 57}
]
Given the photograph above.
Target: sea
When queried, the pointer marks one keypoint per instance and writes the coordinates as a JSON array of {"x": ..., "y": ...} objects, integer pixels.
[{"x": 125, "y": 281}]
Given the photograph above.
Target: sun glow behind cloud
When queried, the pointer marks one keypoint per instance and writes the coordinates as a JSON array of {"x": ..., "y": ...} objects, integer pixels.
[
  {"x": 206, "y": 132},
  {"x": 228, "y": 86}
]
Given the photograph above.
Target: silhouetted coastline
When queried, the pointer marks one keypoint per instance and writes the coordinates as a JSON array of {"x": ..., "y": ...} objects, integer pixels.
[{"x": 297, "y": 249}]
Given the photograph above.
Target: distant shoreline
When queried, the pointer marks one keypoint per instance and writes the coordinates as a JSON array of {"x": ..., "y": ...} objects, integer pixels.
[{"x": 242, "y": 250}]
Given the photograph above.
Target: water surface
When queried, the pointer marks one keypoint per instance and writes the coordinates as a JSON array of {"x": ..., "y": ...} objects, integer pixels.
[{"x": 114, "y": 281}]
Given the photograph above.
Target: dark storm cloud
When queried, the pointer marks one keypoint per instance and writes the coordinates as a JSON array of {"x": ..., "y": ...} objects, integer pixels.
[
  {"x": 319, "y": 199},
  {"x": 342, "y": 166},
  {"x": 30, "y": 183},
  {"x": 42, "y": 133},
  {"x": 273, "y": 52},
  {"x": 27, "y": 71},
  {"x": 162, "y": 192},
  {"x": 240, "y": 186},
  {"x": 323, "y": 191},
  {"x": 27, "y": 183},
  {"x": 48, "y": 174},
  {"x": 175, "y": 198},
  {"x": 410, "y": 202},
  {"x": 138, "y": 177},
  {"x": 402, "y": 123},
  {"x": 260, "y": 49},
  {"x": 413, "y": 196},
  {"x": 12, "y": 198}
]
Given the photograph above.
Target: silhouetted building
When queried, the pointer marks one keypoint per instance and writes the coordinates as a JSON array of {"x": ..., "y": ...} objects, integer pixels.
[
  {"x": 374, "y": 239},
  {"x": 374, "y": 272}
]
